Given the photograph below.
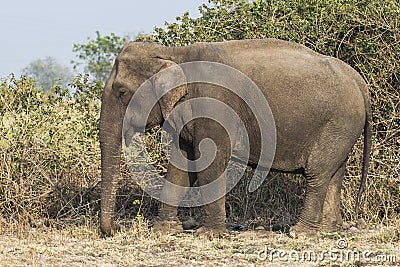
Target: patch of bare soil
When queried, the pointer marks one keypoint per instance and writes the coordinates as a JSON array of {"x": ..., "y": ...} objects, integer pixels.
[{"x": 82, "y": 246}]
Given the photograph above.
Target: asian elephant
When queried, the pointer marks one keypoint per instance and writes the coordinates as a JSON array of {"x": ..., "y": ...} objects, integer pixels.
[{"x": 320, "y": 107}]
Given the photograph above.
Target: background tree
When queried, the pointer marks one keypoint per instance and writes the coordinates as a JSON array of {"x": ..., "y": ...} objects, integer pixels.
[
  {"x": 48, "y": 72},
  {"x": 97, "y": 55}
]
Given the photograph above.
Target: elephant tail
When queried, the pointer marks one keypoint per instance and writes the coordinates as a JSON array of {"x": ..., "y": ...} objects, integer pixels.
[{"x": 367, "y": 142}]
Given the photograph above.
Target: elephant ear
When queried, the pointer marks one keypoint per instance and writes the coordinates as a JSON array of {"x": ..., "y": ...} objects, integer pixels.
[{"x": 170, "y": 86}]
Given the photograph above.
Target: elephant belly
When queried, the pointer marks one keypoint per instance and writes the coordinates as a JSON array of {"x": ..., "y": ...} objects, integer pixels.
[{"x": 289, "y": 156}]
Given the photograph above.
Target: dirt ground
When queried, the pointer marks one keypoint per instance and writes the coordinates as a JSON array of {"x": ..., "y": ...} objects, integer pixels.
[{"x": 138, "y": 246}]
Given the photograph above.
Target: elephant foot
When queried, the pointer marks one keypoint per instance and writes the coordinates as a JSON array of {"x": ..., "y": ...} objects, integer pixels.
[
  {"x": 330, "y": 226},
  {"x": 211, "y": 233},
  {"x": 191, "y": 225},
  {"x": 110, "y": 230},
  {"x": 168, "y": 226},
  {"x": 302, "y": 231}
]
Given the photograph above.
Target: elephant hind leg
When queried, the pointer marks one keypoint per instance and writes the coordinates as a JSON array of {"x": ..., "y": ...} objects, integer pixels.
[
  {"x": 326, "y": 157},
  {"x": 311, "y": 214},
  {"x": 332, "y": 218}
]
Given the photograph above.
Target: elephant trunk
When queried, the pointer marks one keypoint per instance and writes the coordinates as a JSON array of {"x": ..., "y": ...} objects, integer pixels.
[{"x": 110, "y": 144}]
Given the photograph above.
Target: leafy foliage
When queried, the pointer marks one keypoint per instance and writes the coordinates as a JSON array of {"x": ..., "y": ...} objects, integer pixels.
[{"x": 97, "y": 56}]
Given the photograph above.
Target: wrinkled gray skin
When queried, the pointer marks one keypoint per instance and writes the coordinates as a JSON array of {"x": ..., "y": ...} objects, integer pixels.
[{"x": 320, "y": 105}]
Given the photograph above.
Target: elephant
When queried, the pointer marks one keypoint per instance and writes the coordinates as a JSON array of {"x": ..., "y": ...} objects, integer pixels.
[{"x": 320, "y": 107}]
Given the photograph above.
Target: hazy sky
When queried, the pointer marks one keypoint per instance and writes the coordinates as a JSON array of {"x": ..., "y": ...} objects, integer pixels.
[{"x": 35, "y": 29}]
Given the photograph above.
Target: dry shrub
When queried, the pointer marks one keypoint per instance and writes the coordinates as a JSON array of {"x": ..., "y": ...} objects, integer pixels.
[{"x": 49, "y": 152}]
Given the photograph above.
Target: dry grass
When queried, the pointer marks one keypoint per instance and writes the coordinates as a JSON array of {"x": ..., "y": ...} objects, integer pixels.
[{"x": 139, "y": 246}]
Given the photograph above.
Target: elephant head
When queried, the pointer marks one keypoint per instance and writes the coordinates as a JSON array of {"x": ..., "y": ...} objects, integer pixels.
[{"x": 136, "y": 65}]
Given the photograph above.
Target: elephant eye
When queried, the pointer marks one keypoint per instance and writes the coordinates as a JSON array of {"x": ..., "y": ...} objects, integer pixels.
[
  {"x": 122, "y": 93},
  {"x": 123, "y": 96}
]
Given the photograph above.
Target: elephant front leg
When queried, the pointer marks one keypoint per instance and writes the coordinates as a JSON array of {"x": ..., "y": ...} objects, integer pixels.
[
  {"x": 213, "y": 146},
  {"x": 213, "y": 193},
  {"x": 176, "y": 186}
]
